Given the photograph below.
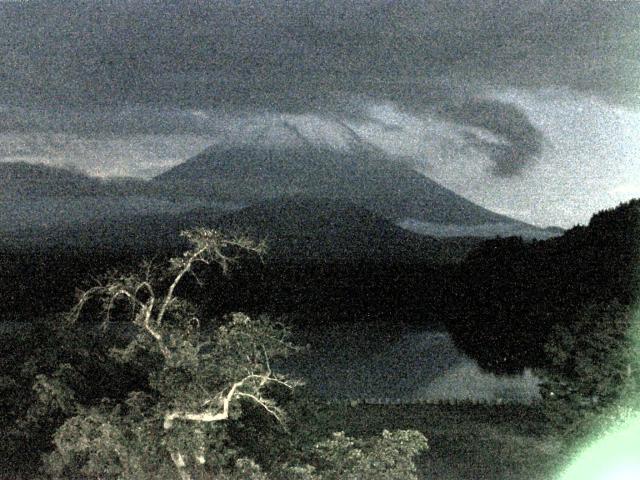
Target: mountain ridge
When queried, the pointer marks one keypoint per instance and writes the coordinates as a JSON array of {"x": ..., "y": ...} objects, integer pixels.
[
  {"x": 321, "y": 228},
  {"x": 295, "y": 228},
  {"x": 357, "y": 172}
]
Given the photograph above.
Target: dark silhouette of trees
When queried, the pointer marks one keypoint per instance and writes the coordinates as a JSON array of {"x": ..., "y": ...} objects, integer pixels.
[
  {"x": 593, "y": 365},
  {"x": 511, "y": 293}
]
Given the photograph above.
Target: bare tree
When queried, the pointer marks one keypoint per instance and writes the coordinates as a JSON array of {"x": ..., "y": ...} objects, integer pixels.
[{"x": 233, "y": 364}]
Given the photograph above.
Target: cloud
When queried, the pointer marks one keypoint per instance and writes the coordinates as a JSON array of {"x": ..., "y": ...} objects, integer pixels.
[
  {"x": 589, "y": 152},
  {"x": 291, "y": 55},
  {"x": 134, "y": 155},
  {"x": 118, "y": 120},
  {"x": 180, "y": 67},
  {"x": 497, "y": 128},
  {"x": 522, "y": 141}
]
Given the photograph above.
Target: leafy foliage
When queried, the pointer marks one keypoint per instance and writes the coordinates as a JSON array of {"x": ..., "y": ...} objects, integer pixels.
[
  {"x": 49, "y": 367},
  {"x": 389, "y": 457},
  {"x": 509, "y": 293},
  {"x": 593, "y": 366}
]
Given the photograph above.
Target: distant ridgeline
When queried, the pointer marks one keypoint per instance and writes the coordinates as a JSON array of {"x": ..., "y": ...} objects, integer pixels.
[{"x": 510, "y": 293}]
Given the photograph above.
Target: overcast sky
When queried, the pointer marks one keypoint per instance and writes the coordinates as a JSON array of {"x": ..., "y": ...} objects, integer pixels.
[{"x": 529, "y": 108}]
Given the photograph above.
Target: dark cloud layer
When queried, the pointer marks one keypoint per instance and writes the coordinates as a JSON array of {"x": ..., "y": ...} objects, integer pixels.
[
  {"x": 93, "y": 57},
  {"x": 523, "y": 141},
  {"x": 273, "y": 52}
]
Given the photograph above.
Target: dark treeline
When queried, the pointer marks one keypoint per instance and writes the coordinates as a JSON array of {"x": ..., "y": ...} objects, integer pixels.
[
  {"x": 499, "y": 304},
  {"x": 35, "y": 284},
  {"x": 510, "y": 293}
]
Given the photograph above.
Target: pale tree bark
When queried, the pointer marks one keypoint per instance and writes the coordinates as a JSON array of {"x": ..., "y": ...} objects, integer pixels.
[
  {"x": 210, "y": 247},
  {"x": 149, "y": 311}
]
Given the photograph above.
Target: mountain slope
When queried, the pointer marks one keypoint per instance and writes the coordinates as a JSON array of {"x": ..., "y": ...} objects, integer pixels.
[
  {"x": 295, "y": 229},
  {"x": 22, "y": 179},
  {"x": 316, "y": 228},
  {"x": 38, "y": 198},
  {"x": 354, "y": 172}
]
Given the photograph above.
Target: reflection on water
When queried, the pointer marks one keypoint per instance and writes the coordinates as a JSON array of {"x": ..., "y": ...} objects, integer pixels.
[
  {"x": 418, "y": 365},
  {"x": 365, "y": 362}
]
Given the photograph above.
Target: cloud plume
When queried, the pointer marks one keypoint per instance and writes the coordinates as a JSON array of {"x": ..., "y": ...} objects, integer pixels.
[{"x": 522, "y": 142}]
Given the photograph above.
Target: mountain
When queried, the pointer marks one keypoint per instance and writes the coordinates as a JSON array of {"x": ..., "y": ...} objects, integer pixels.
[
  {"x": 147, "y": 232},
  {"x": 41, "y": 198},
  {"x": 24, "y": 179},
  {"x": 352, "y": 170},
  {"x": 295, "y": 228},
  {"x": 29, "y": 180},
  {"x": 301, "y": 227}
]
